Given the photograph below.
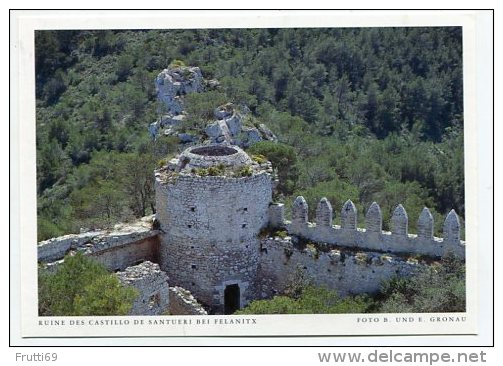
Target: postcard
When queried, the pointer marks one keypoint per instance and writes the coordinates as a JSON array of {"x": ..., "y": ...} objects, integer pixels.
[{"x": 247, "y": 173}]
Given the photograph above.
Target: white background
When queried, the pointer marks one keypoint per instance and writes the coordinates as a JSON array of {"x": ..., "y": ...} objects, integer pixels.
[{"x": 290, "y": 356}]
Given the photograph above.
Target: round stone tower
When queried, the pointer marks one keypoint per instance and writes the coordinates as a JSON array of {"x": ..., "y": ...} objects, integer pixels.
[{"x": 212, "y": 201}]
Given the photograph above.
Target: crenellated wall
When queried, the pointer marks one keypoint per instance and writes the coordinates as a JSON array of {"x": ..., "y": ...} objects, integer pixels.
[
  {"x": 372, "y": 237},
  {"x": 210, "y": 239}
]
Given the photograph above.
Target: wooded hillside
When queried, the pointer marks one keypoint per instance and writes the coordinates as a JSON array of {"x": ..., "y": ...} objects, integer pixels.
[{"x": 367, "y": 114}]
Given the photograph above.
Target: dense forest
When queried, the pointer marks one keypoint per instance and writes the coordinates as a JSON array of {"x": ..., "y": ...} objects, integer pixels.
[{"x": 367, "y": 114}]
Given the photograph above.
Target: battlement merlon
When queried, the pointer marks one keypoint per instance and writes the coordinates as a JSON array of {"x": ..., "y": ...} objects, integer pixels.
[{"x": 372, "y": 237}]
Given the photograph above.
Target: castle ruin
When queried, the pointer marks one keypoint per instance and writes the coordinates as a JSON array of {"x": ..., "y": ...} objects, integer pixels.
[
  {"x": 217, "y": 241},
  {"x": 210, "y": 223}
]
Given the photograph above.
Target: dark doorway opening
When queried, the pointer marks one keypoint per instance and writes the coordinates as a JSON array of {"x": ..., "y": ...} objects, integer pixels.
[{"x": 231, "y": 299}]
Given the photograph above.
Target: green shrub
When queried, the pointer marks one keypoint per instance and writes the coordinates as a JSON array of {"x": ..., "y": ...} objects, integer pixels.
[
  {"x": 281, "y": 233},
  {"x": 283, "y": 159},
  {"x": 202, "y": 172},
  {"x": 246, "y": 171},
  {"x": 82, "y": 286},
  {"x": 259, "y": 158},
  {"x": 313, "y": 300},
  {"x": 162, "y": 162},
  {"x": 200, "y": 108},
  {"x": 436, "y": 288},
  {"x": 104, "y": 296},
  {"x": 216, "y": 170},
  {"x": 176, "y": 63},
  {"x": 47, "y": 229}
]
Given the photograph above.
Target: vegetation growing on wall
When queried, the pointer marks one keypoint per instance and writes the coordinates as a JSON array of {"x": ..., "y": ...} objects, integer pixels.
[{"x": 439, "y": 288}]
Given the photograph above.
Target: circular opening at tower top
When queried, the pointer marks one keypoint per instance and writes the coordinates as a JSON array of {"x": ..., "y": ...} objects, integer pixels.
[{"x": 214, "y": 151}]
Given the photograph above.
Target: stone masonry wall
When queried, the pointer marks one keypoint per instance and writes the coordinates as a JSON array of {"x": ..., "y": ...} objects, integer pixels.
[
  {"x": 347, "y": 272},
  {"x": 132, "y": 253},
  {"x": 152, "y": 286},
  {"x": 181, "y": 302},
  {"x": 211, "y": 227},
  {"x": 373, "y": 237},
  {"x": 214, "y": 207},
  {"x": 55, "y": 248},
  {"x": 206, "y": 271},
  {"x": 139, "y": 233}
]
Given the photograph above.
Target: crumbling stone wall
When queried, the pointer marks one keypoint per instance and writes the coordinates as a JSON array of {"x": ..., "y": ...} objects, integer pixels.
[
  {"x": 152, "y": 286},
  {"x": 116, "y": 249},
  {"x": 56, "y": 248},
  {"x": 211, "y": 229},
  {"x": 117, "y": 258},
  {"x": 372, "y": 237},
  {"x": 181, "y": 302},
  {"x": 209, "y": 238},
  {"x": 348, "y": 272}
]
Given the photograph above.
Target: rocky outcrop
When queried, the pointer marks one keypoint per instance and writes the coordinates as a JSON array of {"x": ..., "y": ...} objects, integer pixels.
[
  {"x": 219, "y": 132},
  {"x": 250, "y": 136},
  {"x": 174, "y": 82},
  {"x": 229, "y": 126},
  {"x": 266, "y": 133}
]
